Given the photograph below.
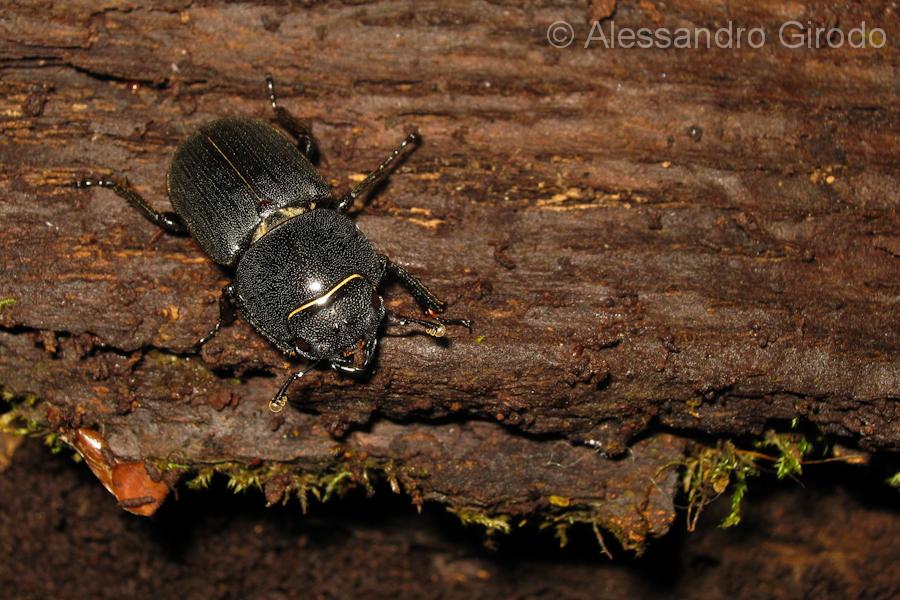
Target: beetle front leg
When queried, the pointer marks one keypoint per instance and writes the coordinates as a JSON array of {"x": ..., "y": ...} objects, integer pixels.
[
  {"x": 167, "y": 221},
  {"x": 429, "y": 303},
  {"x": 376, "y": 176},
  {"x": 227, "y": 310},
  {"x": 300, "y": 130},
  {"x": 277, "y": 404}
]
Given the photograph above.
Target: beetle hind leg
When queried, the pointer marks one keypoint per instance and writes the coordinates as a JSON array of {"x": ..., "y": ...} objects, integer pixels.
[
  {"x": 378, "y": 175},
  {"x": 299, "y": 130},
  {"x": 165, "y": 220}
]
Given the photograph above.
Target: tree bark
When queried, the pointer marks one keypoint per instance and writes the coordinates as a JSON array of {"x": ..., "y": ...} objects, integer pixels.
[{"x": 692, "y": 241}]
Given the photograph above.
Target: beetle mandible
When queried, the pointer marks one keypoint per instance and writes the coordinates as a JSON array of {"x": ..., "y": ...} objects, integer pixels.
[{"x": 303, "y": 274}]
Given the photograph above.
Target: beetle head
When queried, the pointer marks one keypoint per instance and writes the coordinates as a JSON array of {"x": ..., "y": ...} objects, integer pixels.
[{"x": 340, "y": 326}]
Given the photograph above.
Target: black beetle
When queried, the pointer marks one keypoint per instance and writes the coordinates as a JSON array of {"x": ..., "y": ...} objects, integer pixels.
[{"x": 304, "y": 275}]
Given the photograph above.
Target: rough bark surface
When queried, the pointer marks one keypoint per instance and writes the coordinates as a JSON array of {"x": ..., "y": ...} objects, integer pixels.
[{"x": 706, "y": 240}]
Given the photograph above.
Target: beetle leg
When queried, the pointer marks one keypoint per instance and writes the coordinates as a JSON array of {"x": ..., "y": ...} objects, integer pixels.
[
  {"x": 376, "y": 176},
  {"x": 298, "y": 129},
  {"x": 277, "y": 404},
  {"x": 428, "y": 301},
  {"x": 467, "y": 323},
  {"x": 436, "y": 328},
  {"x": 168, "y": 221},
  {"x": 226, "y": 315},
  {"x": 431, "y": 328}
]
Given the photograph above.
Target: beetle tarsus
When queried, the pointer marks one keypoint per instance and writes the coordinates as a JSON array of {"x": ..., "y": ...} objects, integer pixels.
[
  {"x": 379, "y": 174},
  {"x": 436, "y": 328},
  {"x": 467, "y": 323}
]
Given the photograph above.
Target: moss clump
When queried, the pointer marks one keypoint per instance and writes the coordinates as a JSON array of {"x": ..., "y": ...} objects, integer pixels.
[
  {"x": 201, "y": 480},
  {"x": 14, "y": 423},
  {"x": 710, "y": 471},
  {"x": 242, "y": 480},
  {"x": 241, "y": 477},
  {"x": 491, "y": 523}
]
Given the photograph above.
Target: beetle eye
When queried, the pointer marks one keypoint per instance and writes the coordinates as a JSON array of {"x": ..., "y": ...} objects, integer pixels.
[
  {"x": 376, "y": 299},
  {"x": 302, "y": 344}
]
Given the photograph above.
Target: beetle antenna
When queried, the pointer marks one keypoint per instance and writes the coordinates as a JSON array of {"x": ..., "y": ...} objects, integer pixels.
[{"x": 277, "y": 404}]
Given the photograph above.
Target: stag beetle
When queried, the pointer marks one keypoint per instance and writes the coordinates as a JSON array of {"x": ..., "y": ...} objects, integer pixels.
[{"x": 303, "y": 274}]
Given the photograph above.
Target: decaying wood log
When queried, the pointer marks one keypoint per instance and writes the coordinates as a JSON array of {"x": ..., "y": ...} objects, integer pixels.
[{"x": 704, "y": 240}]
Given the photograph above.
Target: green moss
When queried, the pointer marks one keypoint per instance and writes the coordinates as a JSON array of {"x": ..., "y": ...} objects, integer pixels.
[
  {"x": 243, "y": 480},
  {"x": 894, "y": 480},
  {"x": 708, "y": 472},
  {"x": 15, "y": 399},
  {"x": 491, "y": 523},
  {"x": 4, "y": 302},
  {"x": 14, "y": 423},
  {"x": 55, "y": 443},
  {"x": 791, "y": 447},
  {"x": 333, "y": 482},
  {"x": 202, "y": 480},
  {"x": 737, "y": 496},
  {"x": 173, "y": 466},
  {"x": 711, "y": 471},
  {"x": 241, "y": 477},
  {"x": 390, "y": 472},
  {"x": 300, "y": 487},
  {"x": 561, "y": 533}
]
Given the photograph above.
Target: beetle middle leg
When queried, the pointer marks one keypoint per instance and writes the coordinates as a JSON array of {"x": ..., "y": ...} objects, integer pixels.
[
  {"x": 227, "y": 310},
  {"x": 298, "y": 129},
  {"x": 376, "y": 176},
  {"x": 167, "y": 221}
]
